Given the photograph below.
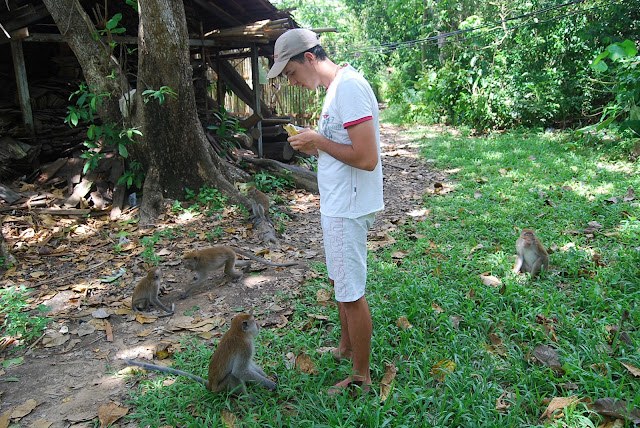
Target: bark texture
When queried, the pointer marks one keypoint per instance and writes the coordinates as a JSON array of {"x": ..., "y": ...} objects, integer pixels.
[
  {"x": 94, "y": 56},
  {"x": 173, "y": 140},
  {"x": 173, "y": 149}
]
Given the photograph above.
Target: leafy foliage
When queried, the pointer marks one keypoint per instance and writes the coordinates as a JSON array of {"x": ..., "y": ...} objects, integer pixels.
[
  {"x": 17, "y": 321},
  {"x": 624, "y": 75},
  {"x": 266, "y": 182}
]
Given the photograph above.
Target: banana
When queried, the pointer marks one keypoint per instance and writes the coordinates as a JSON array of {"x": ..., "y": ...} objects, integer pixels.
[{"x": 291, "y": 130}]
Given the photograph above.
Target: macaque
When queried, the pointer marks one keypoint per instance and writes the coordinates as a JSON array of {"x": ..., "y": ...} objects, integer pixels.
[
  {"x": 259, "y": 205},
  {"x": 532, "y": 257},
  {"x": 231, "y": 365},
  {"x": 146, "y": 293},
  {"x": 208, "y": 259}
]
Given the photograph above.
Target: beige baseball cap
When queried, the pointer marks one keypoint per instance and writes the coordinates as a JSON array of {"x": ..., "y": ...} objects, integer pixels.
[{"x": 290, "y": 44}]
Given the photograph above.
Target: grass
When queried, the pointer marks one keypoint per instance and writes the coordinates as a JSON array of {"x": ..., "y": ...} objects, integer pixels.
[{"x": 501, "y": 183}]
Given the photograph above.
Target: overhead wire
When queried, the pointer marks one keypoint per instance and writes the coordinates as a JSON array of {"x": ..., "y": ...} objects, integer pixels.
[{"x": 495, "y": 26}]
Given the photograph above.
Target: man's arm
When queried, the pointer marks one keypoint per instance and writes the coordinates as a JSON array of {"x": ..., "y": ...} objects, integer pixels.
[{"x": 362, "y": 153}]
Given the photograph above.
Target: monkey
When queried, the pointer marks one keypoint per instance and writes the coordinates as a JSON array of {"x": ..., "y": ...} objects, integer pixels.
[
  {"x": 532, "y": 257},
  {"x": 146, "y": 293},
  {"x": 231, "y": 365},
  {"x": 259, "y": 205},
  {"x": 208, "y": 259}
]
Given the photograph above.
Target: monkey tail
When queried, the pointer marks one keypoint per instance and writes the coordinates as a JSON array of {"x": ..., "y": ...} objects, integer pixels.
[
  {"x": 167, "y": 370},
  {"x": 258, "y": 259}
]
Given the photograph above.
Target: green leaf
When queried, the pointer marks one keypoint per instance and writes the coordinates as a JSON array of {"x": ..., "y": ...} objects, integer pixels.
[
  {"x": 601, "y": 67},
  {"x": 12, "y": 379},
  {"x": 113, "y": 22},
  {"x": 606, "y": 123},
  {"x": 74, "y": 119},
  {"x": 122, "y": 149},
  {"x": 634, "y": 125},
  {"x": 12, "y": 362},
  {"x": 599, "y": 58},
  {"x": 622, "y": 50},
  {"x": 630, "y": 47}
]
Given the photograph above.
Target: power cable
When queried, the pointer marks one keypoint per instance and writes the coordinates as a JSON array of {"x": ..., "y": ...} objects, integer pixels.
[{"x": 385, "y": 48}]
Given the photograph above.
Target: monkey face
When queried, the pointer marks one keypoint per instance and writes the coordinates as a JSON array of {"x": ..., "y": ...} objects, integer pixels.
[{"x": 190, "y": 262}]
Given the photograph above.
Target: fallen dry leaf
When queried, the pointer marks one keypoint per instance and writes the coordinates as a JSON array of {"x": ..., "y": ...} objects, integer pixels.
[
  {"x": 502, "y": 405},
  {"x": 455, "y": 321},
  {"x": 54, "y": 338},
  {"x": 441, "y": 369},
  {"x": 399, "y": 254},
  {"x": 304, "y": 363},
  {"x": 5, "y": 418},
  {"x": 387, "y": 380},
  {"x": 490, "y": 280},
  {"x": 403, "y": 323},
  {"x": 436, "y": 307},
  {"x": 41, "y": 423},
  {"x": 108, "y": 413},
  {"x": 547, "y": 356},
  {"x": 630, "y": 195},
  {"x": 477, "y": 247},
  {"x": 228, "y": 419},
  {"x": 632, "y": 369},
  {"x": 558, "y": 403},
  {"x": 323, "y": 295},
  {"x": 24, "y": 409},
  {"x": 108, "y": 330},
  {"x": 144, "y": 319},
  {"x": 496, "y": 345},
  {"x": 618, "y": 409}
]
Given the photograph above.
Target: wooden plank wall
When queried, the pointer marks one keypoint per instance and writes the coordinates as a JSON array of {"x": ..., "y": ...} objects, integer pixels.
[{"x": 303, "y": 105}]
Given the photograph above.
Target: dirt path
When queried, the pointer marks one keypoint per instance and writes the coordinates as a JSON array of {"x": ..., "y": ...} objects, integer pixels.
[{"x": 71, "y": 380}]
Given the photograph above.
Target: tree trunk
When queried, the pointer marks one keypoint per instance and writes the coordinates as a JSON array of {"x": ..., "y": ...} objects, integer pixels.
[
  {"x": 173, "y": 141},
  {"x": 173, "y": 148},
  {"x": 95, "y": 57}
]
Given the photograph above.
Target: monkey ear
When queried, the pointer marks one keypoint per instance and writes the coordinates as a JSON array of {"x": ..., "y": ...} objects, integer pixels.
[{"x": 245, "y": 326}]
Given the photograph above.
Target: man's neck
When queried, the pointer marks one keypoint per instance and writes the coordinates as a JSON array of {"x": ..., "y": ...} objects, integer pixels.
[{"x": 328, "y": 70}]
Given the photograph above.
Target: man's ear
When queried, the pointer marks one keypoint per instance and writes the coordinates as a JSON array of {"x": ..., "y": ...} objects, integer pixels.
[{"x": 309, "y": 56}]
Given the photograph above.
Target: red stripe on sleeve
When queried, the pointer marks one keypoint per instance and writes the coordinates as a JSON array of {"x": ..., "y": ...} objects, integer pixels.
[{"x": 355, "y": 122}]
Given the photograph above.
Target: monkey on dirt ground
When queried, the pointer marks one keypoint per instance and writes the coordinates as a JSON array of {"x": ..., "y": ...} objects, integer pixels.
[
  {"x": 532, "y": 257},
  {"x": 208, "y": 259},
  {"x": 259, "y": 206},
  {"x": 231, "y": 365},
  {"x": 146, "y": 293}
]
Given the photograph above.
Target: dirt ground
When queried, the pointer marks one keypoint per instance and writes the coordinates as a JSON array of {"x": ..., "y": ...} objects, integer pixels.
[{"x": 69, "y": 372}]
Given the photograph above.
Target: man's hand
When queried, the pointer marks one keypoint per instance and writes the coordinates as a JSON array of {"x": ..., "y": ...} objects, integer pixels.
[{"x": 304, "y": 141}]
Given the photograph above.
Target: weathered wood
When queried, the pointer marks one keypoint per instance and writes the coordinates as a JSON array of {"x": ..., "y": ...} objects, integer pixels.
[
  {"x": 8, "y": 195},
  {"x": 63, "y": 211},
  {"x": 23, "y": 85},
  {"x": 250, "y": 121},
  {"x": 303, "y": 178},
  {"x": 230, "y": 76},
  {"x": 50, "y": 169},
  {"x": 79, "y": 192}
]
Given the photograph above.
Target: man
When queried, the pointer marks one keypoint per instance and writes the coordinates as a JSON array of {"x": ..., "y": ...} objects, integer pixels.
[{"x": 350, "y": 181}]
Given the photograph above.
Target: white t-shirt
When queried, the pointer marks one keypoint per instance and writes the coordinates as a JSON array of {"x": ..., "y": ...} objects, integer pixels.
[{"x": 346, "y": 191}]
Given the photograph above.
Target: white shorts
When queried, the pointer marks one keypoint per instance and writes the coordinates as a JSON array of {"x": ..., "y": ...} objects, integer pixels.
[{"x": 345, "y": 247}]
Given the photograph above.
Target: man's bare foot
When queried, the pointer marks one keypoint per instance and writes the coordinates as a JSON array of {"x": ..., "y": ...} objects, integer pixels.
[
  {"x": 355, "y": 387},
  {"x": 341, "y": 355}
]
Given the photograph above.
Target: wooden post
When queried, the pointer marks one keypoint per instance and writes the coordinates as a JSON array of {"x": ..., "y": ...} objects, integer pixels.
[
  {"x": 220, "y": 87},
  {"x": 23, "y": 85},
  {"x": 255, "y": 75}
]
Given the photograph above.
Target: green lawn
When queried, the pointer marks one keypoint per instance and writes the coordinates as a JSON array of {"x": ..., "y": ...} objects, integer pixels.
[{"x": 486, "y": 333}]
